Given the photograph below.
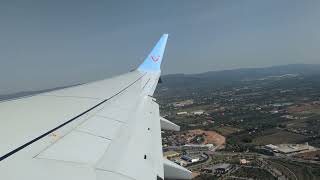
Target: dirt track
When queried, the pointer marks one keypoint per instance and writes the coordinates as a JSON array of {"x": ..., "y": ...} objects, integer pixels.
[{"x": 211, "y": 137}]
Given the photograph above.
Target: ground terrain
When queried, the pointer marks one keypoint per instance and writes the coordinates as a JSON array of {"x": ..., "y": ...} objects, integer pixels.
[{"x": 251, "y": 108}]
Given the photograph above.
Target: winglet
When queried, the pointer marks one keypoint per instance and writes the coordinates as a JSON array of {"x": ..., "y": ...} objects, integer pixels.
[{"x": 153, "y": 61}]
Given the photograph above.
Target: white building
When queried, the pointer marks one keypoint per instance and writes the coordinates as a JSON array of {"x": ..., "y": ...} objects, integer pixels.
[
  {"x": 198, "y": 147},
  {"x": 182, "y": 113},
  {"x": 190, "y": 159},
  {"x": 183, "y": 103},
  {"x": 199, "y": 112},
  {"x": 289, "y": 148}
]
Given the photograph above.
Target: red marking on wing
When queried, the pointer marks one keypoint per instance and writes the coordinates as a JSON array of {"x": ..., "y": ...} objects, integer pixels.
[{"x": 155, "y": 59}]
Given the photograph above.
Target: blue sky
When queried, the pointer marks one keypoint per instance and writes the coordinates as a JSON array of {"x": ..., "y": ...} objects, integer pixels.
[{"x": 46, "y": 44}]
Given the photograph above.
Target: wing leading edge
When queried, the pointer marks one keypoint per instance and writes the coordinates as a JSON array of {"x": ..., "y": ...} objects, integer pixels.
[{"x": 108, "y": 129}]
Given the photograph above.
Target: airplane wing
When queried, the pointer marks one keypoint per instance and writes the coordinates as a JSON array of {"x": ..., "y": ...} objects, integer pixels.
[{"x": 104, "y": 130}]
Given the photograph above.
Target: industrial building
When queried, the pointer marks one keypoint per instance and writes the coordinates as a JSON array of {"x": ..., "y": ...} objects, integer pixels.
[
  {"x": 191, "y": 147},
  {"x": 221, "y": 168},
  {"x": 289, "y": 148}
]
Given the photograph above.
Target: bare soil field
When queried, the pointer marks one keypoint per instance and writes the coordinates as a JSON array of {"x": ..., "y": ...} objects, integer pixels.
[
  {"x": 226, "y": 130},
  {"x": 305, "y": 108},
  {"x": 211, "y": 137},
  {"x": 310, "y": 155}
]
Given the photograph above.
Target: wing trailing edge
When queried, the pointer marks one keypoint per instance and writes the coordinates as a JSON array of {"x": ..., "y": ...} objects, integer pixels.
[
  {"x": 167, "y": 125},
  {"x": 174, "y": 171}
]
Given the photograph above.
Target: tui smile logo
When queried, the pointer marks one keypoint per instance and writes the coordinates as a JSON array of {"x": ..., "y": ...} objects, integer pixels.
[{"x": 155, "y": 59}]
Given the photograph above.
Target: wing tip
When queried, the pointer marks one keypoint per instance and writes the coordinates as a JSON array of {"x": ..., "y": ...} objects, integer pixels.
[
  {"x": 165, "y": 35},
  {"x": 154, "y": 59}
]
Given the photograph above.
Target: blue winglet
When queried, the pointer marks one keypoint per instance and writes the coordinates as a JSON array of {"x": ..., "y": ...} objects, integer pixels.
[{"x": 154, "y": 59}]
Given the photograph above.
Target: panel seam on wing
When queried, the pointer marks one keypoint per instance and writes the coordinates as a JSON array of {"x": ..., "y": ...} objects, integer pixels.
[
  {"x": 103, "y": 116},
  {"x": 92, "y": 134}
]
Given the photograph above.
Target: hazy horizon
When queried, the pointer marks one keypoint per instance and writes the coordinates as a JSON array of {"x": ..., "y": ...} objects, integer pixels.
[{"x": 234, "y": 69}]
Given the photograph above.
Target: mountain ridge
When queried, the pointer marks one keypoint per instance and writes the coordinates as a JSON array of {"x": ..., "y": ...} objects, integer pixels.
[{"x": 215, "y": 78}]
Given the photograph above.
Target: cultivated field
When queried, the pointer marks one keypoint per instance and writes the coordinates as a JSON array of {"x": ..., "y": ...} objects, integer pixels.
[{"x": 278, "y": 137}]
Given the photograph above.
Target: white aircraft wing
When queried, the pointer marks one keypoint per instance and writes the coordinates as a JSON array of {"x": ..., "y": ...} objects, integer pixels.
[{"x": 105, "y": 130}]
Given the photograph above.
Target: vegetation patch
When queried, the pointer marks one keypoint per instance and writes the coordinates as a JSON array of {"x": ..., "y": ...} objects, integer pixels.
[
  {"x": 279, "y": 137},
  {"x": 254, "y": 173},
  {"x": 301, "y": 170}
]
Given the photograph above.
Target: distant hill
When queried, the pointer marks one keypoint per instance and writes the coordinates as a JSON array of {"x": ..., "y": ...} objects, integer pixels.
[
  {"x": 228, "y": 77},
  {"x": 218, "y": 79}
]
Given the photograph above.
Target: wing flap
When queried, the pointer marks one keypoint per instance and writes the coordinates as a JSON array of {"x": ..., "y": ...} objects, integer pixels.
[
  {"x": 174, "y": 171},
  {"x": 101, "y": 127},
  {"x": 168, "y": 125},
  {"x": 77, "y": 147},
  {"x": 38, "y": 169},
  {"x": 24, "y": 120},
  {"x": 139, "y": 143}
]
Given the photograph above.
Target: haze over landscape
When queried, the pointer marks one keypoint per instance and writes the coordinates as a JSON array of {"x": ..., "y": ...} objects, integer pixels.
[
  {"x": 238, "y": 96},
  {"x": 46, "y": 44}
]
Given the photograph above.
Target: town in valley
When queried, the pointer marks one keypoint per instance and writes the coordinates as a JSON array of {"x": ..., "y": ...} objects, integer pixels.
[{"x": 239, "y": 126}]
